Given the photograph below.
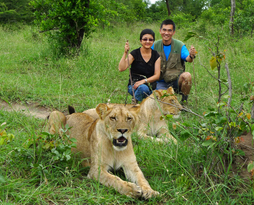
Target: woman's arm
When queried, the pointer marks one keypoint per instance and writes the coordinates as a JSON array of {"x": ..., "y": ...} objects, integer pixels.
[
  {"x": 125, "y": 62},
  {"x": 156, "y": 76}
]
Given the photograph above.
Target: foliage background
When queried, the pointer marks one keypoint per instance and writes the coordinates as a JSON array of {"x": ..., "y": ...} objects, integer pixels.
[{"x": 183, "y": 174}]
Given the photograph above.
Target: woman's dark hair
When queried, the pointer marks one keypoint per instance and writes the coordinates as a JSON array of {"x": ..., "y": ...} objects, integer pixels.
[{"x": 147, "y": 31}]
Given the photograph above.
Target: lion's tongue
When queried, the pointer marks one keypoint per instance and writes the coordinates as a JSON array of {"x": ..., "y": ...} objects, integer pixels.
[{"x": 121, "y": 139}]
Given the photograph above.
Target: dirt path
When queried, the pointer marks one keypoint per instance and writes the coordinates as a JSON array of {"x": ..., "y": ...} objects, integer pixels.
[
  {"x": 247, "y": 146},
  {"x": 29, "y": 110}
]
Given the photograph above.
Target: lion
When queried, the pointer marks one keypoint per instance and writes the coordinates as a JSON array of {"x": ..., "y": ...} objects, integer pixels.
[
  {"x": 151, "y": 111},
  {"x": 105, "y": 143}
]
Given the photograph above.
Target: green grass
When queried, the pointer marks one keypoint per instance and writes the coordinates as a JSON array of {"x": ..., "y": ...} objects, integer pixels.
[{"x": 183, "y": 173}]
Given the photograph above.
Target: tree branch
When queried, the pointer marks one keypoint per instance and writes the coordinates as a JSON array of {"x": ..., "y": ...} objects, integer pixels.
[
  {"x": 52, "y": 29},
  {"x": 229, "y": 85}
]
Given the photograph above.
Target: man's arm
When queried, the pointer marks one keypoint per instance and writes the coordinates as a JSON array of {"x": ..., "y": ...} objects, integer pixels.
[{"x": 188, "y": 55}]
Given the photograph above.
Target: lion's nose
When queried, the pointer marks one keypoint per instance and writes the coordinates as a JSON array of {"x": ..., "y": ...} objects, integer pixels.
[{"x": 122, "y": 130}]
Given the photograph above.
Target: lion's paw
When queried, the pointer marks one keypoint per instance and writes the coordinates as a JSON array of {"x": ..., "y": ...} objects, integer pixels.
[
  {"x": 134, "y": 191},
  {"x": 148, "y": 193}
]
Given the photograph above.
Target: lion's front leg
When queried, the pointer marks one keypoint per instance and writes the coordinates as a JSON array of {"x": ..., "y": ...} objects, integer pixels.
[
  {"x": 165, "y": 136},
  {"x": 142, "y": 133},
  {"x": 134, "y": 174},
  {"x": 109, "y": 180},
  {"x": 162, "y": 136}
]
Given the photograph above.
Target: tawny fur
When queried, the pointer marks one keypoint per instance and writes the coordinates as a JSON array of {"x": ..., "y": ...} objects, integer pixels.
[
  {"x": 150, "y": 121},
  {"x": 95, "y": 143},
  {"x": 59, "y": 122}
]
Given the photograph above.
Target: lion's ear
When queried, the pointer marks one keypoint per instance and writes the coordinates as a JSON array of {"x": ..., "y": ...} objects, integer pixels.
[
  {"x": 157, "y": 94},
  {"x": 170, "y": 90},
  {"x": 135, "y": 109},
  {"x": 102, "y": 110}
]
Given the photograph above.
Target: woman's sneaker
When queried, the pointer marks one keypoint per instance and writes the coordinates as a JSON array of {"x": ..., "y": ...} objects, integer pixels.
[
  {"x": 134, "y": 101},
  {"x": 184, "y": 99}
]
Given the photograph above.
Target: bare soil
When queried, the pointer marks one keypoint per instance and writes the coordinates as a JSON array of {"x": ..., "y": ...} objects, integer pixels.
[
  {"x": 240, "y": 163},
  {"x": 30, "y": 109}
]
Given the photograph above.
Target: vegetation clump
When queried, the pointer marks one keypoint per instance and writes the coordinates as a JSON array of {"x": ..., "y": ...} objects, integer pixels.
[{"x": 210, "y": 159}]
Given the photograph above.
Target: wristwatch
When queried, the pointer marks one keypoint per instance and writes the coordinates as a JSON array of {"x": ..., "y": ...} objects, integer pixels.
[
  {"x": 192, "y": 57},
  {"x": 146, "y": 80}
]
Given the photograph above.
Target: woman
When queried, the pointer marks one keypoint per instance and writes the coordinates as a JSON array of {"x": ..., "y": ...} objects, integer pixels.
[{"x": 145, "y": 66}]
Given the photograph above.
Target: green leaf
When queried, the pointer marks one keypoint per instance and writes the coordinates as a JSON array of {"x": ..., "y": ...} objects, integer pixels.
[
  {"x": 10, "y": 137},
  {"x": 73, "y": 140},
  {"x": 226, "y": 96},
  {"x": 204, "y": 125},
  {"x": 224, "y": 81},
  {"x": 2, "y": 179},
  {"x": 221, "y": 104},
  {"x": 209, "y": 114},
  {"x": 45, "y": 133},
  {"x": 240, "y": 152},
  {"x": 207, "y": 143},
  {"x": 250, "y": 166},
  {"x": 1, "y": 141},
  {"x": 213, "y": 63},
  {"x": 246, "y": 87},
  {"x": 244, "y": 99},
  {"x": 219, "y": 128},
  {"x": 184, "y": 135},
  {"x": 190, "y": 35},
  {"x": 68, "y": 157},
  {"x": 232, "y": 124},
  {"x": 169, "y": 116},
  {"x": 221, "y": 120},
  {"x": 186, "y": 124}
]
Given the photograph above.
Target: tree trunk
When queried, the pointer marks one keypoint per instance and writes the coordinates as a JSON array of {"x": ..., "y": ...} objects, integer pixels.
[
  {"x": 231, "y": 23},
  {"x": 169, "y": 12}
]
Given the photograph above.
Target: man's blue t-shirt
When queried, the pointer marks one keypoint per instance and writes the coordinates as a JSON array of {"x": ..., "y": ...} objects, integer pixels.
[{"x": 167, "y": 50}]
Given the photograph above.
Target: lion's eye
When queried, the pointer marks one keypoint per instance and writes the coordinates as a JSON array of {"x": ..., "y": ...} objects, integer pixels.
[
  {"x": 172, "y": 101},
  {"x": 112, "y": 118},
  {"x": 129, "y": 118}
]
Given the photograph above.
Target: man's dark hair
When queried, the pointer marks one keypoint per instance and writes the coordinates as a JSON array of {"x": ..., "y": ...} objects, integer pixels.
[
  {"x": 168, "y": 22},
  {"x": 147, "y": 31}
]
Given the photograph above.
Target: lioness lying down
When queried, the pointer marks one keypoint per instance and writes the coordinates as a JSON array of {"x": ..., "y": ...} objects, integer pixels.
[
  {"x": 105, "y": 143},
  {"x": 151, "y": 124}
]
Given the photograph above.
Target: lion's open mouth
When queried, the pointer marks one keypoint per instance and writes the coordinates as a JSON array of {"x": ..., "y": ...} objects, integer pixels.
[{"x": 120, "y": 142}]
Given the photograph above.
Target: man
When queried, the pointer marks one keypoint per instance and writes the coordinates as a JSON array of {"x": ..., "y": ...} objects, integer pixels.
[{"x": 173, "y": 56}]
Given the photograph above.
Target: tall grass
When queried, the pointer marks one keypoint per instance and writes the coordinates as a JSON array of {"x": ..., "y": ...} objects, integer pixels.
[{"x": 30, "y": 73}]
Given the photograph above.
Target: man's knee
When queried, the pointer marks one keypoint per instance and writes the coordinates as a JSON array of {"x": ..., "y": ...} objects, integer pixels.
[
  {"x": 185, "y": 80},
  {"x": 186, "y": 76},
  {"x": 161, "y": 86}
]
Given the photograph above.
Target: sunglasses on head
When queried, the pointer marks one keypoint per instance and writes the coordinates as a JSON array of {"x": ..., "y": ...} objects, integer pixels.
[{"x": 148, "y": 39}]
